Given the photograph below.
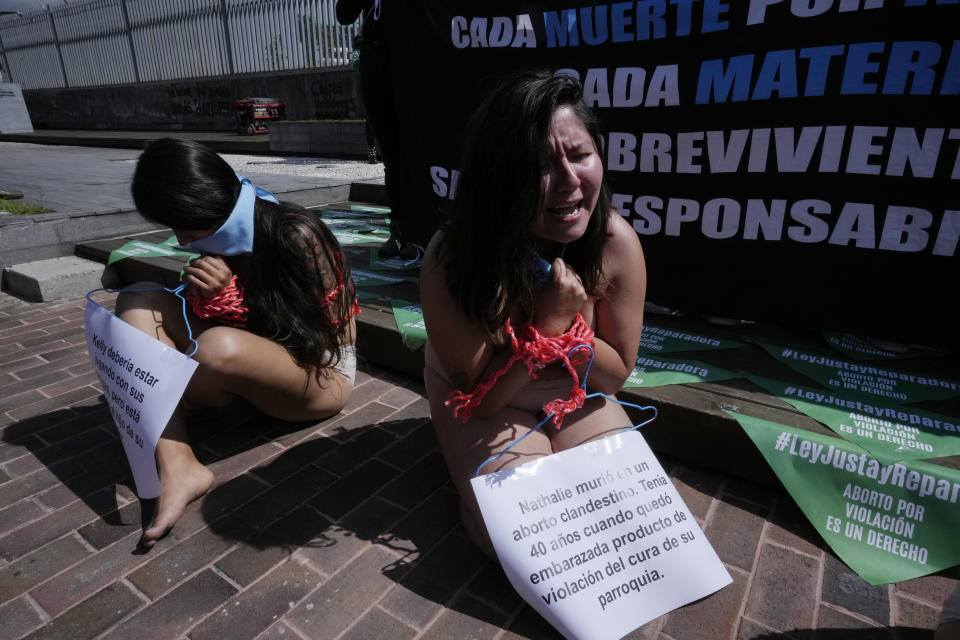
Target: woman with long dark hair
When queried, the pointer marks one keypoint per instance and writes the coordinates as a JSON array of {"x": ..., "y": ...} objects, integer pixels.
[
  {"x": 271, "y": 305},
  {"x": 533, "y": 257}
]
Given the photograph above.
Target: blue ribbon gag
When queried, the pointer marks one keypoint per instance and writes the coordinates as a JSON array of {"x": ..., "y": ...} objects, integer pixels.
[{"x": 235, "y": 235}]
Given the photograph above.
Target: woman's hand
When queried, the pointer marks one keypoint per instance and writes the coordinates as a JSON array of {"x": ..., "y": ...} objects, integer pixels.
[
  {"x": 559, "y": 301},
  {"x": 207, "y": 276}
]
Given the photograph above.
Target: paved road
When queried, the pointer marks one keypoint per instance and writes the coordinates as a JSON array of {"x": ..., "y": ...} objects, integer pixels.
[
  {"x": 68, "y": 178},
  {"x": 82, "y": 179}
]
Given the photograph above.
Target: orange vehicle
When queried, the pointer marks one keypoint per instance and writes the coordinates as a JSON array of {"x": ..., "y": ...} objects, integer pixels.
[{"x": 251, "y": 115}]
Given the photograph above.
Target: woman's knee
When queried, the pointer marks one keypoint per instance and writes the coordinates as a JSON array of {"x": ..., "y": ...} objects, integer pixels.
[
  {"x": 476, "y": 528},
  {"x": 220, "y": 350},
  {"x": 142, "y": 295},
  {"x": 218, "y": 356},
  {"x": 156, "y": 312},
  {"x": 595, "y": 421}
]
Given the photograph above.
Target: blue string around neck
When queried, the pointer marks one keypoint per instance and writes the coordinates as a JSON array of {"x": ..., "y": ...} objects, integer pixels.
[
  {"x": 583, "y": 385},
  {"x": 177, "y": 292}
]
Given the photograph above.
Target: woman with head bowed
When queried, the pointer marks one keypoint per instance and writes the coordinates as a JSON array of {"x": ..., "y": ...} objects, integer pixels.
[
  {"x": 271, "y": 306},
  {"x": 533, "y": 262}
]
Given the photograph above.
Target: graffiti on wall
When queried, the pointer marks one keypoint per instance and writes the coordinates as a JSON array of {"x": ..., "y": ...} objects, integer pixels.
[
  {"x": 195, "y": 99},
  {"x": 201, "y": 104},
  {"x": 332, "y": 98}
]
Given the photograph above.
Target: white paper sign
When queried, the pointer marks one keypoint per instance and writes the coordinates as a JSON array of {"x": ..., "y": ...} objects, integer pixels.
[
  {"x": 143, "y": 380},
  {"x": 597, "y": 539}
]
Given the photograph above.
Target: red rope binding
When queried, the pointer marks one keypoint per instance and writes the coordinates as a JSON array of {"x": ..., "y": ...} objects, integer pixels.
[
  {"x": 536, "y": 351},
  {"x": 333, "y": 293},
  {"x": 226, "y": 307}
]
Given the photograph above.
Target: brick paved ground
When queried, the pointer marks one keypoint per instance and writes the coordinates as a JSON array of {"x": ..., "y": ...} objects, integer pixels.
[{"x": 343, "y": 529}]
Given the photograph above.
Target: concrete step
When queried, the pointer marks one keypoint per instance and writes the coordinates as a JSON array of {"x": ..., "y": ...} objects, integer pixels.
[
  {"x": 53, "y": 279},
  {"x": 220, "y": 141}
]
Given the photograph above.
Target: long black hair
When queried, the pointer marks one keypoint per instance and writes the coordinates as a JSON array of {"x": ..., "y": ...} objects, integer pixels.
[
  {"x": 296, "y": 259},
  {"x": 498, "y": 194}
]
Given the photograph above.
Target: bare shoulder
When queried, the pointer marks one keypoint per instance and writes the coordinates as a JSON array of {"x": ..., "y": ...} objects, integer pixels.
[
  {"x": 434, "y": 294},
  {"x": 622, "y": 251},
  {"x": 462, "y": 347},
  {"x": 433, "y": 277},
  {"x": 431, "y": 258}
]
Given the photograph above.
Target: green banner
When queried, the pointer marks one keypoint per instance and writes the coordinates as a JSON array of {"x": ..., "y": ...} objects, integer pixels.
[
  {"x": 887, "y": 522},
  {"x": 357, "y": 232},
  {"x": 886, "y": 430},
  {"x": 409, "y": 319},
  {"x": 369, "y": 208},
  {"x": 363, "y": 278},
  {"x": 141, "y": 249},
  {"x": 349, "y": 214},
  {"x": 360, "y": 224},
  {"x": 865, "y": 380},
  {"x": 355, "y": 226},
  {"x": 860, "y": 348},
  {"x": 368, "y": 296},
  {"x": 656, "y": 372},
  {"x": 396, "y": 264},
  {"x": 664, "y": 340}
]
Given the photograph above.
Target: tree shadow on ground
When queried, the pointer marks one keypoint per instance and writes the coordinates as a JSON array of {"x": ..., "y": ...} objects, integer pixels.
[
  {"x": 80, "y": 448},
  {"x": 326, "y": 491},
  {"x": 323, "y": 490},
  {"x": 332, "y": 494},
  {"x": 336, "y": 489}
]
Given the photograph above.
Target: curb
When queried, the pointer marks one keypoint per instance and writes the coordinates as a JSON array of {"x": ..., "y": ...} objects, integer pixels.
[{"x": 254, "y": 145}]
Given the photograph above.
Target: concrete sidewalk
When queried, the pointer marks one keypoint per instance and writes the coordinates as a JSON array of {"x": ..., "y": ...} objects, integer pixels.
[{"x": 343, "y": 529}]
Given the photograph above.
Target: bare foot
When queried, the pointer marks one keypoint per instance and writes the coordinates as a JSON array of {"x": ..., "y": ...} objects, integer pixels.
[{"x": 183, "y": 480}]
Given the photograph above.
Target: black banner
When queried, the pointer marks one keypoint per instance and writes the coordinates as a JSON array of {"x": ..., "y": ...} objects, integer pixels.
[{"x": 792, "y": 161}]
